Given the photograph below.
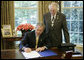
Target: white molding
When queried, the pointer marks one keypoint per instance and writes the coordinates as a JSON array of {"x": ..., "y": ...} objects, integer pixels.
[{"x": 79, "y": 45}]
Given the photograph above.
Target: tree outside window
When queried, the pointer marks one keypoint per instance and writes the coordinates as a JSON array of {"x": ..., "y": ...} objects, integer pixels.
[
  {"x": 25, "y": 12},
  {"x": 74, "y": 16}
]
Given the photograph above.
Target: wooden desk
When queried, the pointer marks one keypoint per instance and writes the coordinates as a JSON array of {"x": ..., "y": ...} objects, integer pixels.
[
  {"x": 16, "y": 54},
  {"x": 11, "y": 54},
  {"x": 8, "y": 42}
]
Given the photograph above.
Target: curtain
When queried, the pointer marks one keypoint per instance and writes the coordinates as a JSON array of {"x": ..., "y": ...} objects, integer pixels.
[
  {"x": 7, "y": 16},
  {"x": 7, "y": 13},
  {"x": 43, "y": 8}
]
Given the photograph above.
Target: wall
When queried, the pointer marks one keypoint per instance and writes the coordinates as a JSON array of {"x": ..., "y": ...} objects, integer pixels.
[{"x": 79, "y": 48}]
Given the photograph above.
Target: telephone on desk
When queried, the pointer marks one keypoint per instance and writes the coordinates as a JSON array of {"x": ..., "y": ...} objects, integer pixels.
[{"x": 67, "y": 46}]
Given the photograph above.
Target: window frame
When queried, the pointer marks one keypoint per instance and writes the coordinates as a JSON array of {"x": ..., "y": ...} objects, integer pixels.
[
  {"x": 71, "y": 21},
  {"x": 36, "y": 8}
]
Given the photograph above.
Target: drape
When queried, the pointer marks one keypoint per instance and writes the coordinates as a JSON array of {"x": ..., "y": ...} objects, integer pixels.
[
  {"x": 7, "y": 16},
  {"x": 7, "y": 13}
]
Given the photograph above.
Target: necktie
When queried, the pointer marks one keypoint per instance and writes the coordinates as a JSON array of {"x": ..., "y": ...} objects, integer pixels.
[
  {"x": 52, "y": 21},
  {"x": 36, "y": 42}
]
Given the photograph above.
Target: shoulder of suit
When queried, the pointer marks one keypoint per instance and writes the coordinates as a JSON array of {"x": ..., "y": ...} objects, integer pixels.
[
  {"x": 61, "y": 14},
  {"x": 30, "y": 32},
  {"x": 33, "y": 31}
]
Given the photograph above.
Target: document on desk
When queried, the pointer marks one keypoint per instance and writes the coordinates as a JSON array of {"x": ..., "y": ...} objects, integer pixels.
[{"x": 32, "y": 54}]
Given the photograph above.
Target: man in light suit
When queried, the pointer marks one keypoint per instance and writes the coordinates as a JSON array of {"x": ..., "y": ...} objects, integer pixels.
[
  {"x": 55, "y": 22},
  {"x": 35, "y": 39}
]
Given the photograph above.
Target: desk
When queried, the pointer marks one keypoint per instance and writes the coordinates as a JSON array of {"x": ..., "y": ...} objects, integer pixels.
[
  {"x": 8, "y": 42},
  {"x": 16, "y": 54}
]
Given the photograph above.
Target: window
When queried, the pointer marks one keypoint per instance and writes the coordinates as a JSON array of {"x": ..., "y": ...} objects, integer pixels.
[
  {"x": 25, "y": 12},
  {"x": 74, "y": 16}
]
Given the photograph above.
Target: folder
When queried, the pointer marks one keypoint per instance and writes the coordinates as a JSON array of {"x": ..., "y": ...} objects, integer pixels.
[{"x": 47, "y": 52}]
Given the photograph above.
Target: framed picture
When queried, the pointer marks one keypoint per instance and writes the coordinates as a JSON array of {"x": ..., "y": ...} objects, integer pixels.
[
  {"x": 6, "y": 32},
  {"x": 6, "y": 26}
]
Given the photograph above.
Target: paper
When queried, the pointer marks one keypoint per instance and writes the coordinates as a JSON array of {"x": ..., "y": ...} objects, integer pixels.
[
  {"x": 32, "y": 54},
  {"x": 78, "y": 55}
]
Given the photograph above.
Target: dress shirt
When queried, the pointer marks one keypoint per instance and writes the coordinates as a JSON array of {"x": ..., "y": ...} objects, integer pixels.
[{"x": 52, "y": 19}]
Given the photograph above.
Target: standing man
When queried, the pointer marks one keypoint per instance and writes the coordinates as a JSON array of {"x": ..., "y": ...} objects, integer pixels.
[
  {"x": 35, "y": 39},
  {"x": 55, "y": 22}
]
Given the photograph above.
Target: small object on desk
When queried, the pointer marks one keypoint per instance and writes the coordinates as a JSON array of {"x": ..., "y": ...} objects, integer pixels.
[
  {"x": 67, "y": 46},
  {"x": 69, "y": 51},
  {"x": 76, "y": 55},
  {"x": 68, "y": 54},
  {"x": 77, "y": 52}
]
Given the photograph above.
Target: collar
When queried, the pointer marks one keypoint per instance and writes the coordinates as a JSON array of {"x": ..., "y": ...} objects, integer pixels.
[{"x": 52, "y": 16}]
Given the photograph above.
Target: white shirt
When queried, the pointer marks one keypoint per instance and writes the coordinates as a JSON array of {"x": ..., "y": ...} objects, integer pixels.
[
  {"x": 52, "y": 17},
  {"x": 53, "y": 20}
]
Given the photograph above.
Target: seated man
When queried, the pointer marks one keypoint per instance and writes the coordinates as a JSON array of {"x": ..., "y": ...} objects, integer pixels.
[{"x": 35, "y": 39}]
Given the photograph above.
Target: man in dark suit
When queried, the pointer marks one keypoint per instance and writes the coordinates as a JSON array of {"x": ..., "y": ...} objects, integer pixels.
[
  {"x": 35, "y": 39},
  {"x": 55, "y": 22}
]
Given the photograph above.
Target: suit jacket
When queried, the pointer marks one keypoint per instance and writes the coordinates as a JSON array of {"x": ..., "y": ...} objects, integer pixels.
[
  {"x": 29, "y": 40},
  {"x": 55, "y": 32}
]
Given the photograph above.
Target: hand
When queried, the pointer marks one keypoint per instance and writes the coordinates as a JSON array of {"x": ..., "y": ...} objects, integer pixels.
[
  {"x": 27, "y": 50},
  {"x": 40, "y": 49}
]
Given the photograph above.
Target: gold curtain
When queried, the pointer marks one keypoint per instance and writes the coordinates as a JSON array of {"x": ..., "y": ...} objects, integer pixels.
[
  {"x": 7, "y": 13},
  {"x": 7, "y": 16},
  {"x": 43, "y": 8}
]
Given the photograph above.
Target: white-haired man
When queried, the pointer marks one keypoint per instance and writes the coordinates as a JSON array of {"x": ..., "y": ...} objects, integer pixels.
[{"x": 55, "y": 22}]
